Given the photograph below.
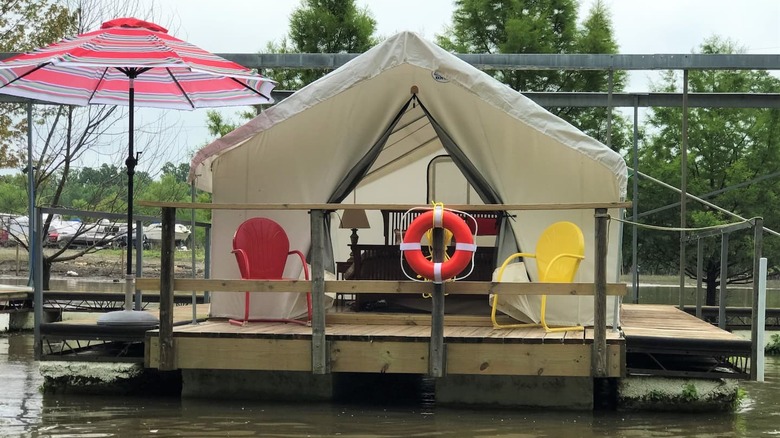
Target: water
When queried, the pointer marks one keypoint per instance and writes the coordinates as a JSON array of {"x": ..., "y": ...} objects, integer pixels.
[{"x": 25, "y": 412}]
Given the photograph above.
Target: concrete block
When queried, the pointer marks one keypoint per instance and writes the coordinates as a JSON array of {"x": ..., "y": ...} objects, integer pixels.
[
  {"x": 676, "y": 394},
  {"x": 516, "y": 391},
  {"x": 257, "y": 385},
  {"x": 106, "y": 378}
]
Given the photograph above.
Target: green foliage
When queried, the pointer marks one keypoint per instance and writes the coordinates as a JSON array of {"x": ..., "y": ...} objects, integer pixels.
[
  {"x": 689, "y": 392},
  {"x": 739, "y": 397},
  {"x": 726, "y": 147},
  {"x": 217, "y": 125},
  {"x": 773, "y": 348},
  {"x": 656, "y": 396},
  {"x": 25, "y": 25},
  {"x": 173, "y": 187},
  {"x": 530, "y": 26},
  {"x": 13, "y": 194},
  {"x": 322, "y": 26}
]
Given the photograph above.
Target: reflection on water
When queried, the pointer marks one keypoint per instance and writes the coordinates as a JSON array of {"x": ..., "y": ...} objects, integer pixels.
[{"x": 24, "y": 411}]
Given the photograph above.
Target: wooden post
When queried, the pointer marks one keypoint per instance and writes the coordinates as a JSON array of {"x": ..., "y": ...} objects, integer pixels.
[
  {"x": 599, "y": 352},
  {"x": 758, "y": 243},
  {"x": 167, "y": 248},
  {"x": 319, "y": 353},
  {"x": 436, "y": 346}
]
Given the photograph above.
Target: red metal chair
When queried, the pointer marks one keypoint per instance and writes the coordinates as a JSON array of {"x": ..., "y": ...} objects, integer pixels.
[{"x": 261, "y": 247}]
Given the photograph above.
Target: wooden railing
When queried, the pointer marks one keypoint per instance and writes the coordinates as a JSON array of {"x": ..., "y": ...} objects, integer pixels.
[{"x": 318, "y": 286}]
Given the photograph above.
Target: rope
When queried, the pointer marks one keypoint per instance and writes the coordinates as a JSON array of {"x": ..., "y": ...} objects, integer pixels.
[
  {"x": 429, "y": 235},
  {"x": 660, "y": 228}
]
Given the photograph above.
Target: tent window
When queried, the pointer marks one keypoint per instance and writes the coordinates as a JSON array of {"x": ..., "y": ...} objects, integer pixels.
[{"x": 447, "y": 184}]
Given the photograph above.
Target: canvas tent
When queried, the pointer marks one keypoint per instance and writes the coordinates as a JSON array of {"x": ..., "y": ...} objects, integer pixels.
[{"x": 366, "y": 132}]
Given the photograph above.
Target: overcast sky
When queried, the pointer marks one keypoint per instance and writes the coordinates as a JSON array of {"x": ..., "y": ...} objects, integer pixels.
[{"x": 641, "y": 26}]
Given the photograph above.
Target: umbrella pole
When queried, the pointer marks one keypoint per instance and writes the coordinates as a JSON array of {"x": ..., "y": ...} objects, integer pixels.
[
  {"x": 128, "y": 317},
  {"x": 130, "y": 162}
]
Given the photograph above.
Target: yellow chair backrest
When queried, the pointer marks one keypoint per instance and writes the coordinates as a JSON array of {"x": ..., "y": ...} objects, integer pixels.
[{"x": 559, "y": 251}]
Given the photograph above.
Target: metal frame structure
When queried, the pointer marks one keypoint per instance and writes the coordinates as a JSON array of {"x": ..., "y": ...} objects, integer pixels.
[{"x": 605, "y": 62}]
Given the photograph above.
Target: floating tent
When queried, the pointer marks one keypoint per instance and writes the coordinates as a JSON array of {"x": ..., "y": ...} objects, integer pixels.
[{"x": 366, "y": 132}]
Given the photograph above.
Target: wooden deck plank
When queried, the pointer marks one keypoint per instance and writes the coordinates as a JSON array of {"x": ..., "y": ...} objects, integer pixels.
[
  {"x": 665, "y": 321},
  {"x": 574, "y": 337},
  {"x": 527, "y": 359},
  {"x": 520, "y": 333},
  {"x": 554, "y": 338},
  {"x": 383, "y": 357},
  {"x": 398, "y": 343}
]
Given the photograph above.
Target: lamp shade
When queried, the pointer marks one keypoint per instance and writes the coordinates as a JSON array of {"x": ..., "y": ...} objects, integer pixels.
[{"x": 354, "y": 219}]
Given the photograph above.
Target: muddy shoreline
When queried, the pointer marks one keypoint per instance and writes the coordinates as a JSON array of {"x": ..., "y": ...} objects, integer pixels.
[{"x": 101, "y": 265}]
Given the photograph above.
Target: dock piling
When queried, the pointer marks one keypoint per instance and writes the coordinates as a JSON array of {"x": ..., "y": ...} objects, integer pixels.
[
  {"x": 436, "y": 346},
  {"x": 319, "y": 352},
  {"x": 599, "y": 352},
  {"x": 167, "y": 249}
]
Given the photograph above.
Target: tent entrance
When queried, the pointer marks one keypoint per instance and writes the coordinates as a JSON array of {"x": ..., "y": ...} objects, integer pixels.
[
  {"x": 412, "y": 136},
  {"x": 414, "y": 161}
]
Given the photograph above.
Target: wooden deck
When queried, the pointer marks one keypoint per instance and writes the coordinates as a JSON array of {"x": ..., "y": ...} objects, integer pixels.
[
  {"x": 398, "y": 343},
  {"x": 10, "y": 296},
  {"x": 666, "y": 322},
  {"x": 373, "y": 342},
  {"x": 664, "y": 340},
  {"x": 387, "y": 343},
  {"x": 71, "y": 339}
]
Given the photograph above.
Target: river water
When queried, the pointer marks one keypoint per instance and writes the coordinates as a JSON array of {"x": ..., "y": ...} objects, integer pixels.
[{"x": 25, "y": 412}]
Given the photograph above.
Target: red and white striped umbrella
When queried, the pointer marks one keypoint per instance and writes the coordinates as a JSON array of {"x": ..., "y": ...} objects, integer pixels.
[
  {"x": 99, "y": 67},
  {"x": 132, "y": 62}
]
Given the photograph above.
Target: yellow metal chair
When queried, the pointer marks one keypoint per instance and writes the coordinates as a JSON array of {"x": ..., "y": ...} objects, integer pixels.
[{"x": 559, "y": 251}]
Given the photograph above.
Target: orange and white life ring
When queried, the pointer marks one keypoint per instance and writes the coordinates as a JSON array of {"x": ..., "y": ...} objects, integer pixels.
[{"x": 464, "y": 245}]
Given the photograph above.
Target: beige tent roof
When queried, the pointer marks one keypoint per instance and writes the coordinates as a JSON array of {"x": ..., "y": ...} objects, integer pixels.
[{"x": 311, "y": 148}]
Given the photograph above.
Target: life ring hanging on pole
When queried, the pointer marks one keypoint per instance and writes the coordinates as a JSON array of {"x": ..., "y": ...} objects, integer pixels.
[{"x": 464, "y": 245}]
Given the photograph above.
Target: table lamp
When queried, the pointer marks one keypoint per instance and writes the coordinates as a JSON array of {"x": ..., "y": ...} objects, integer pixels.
[{"x": 354, "y": 219}]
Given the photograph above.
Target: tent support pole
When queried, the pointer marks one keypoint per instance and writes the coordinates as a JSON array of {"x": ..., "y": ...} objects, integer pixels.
[
  {"x": 599, "y": 352},
  {"x": 319, "y": 351},
  {"x": 436, "y": 351}
]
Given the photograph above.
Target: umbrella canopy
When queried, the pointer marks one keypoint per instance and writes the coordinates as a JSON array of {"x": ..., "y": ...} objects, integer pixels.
[
  {"x": 132, "y": 62},
  {"x": 97, "y": 67}
]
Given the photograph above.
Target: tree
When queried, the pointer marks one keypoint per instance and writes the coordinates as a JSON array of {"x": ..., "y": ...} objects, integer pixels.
[
  {"x": 726, "y": 147},
  {"x": 316, "y": 26},
  {"x": 13, "y": 193},
  {"x": 218, "y": 126},
  {"x": 63, "y": 135},
  {"x": 173, "y": 187},
  {"x": 25, "y": 25},
  {"x": 532, "y": 26},
  {"x": 323, "y": 26}
]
